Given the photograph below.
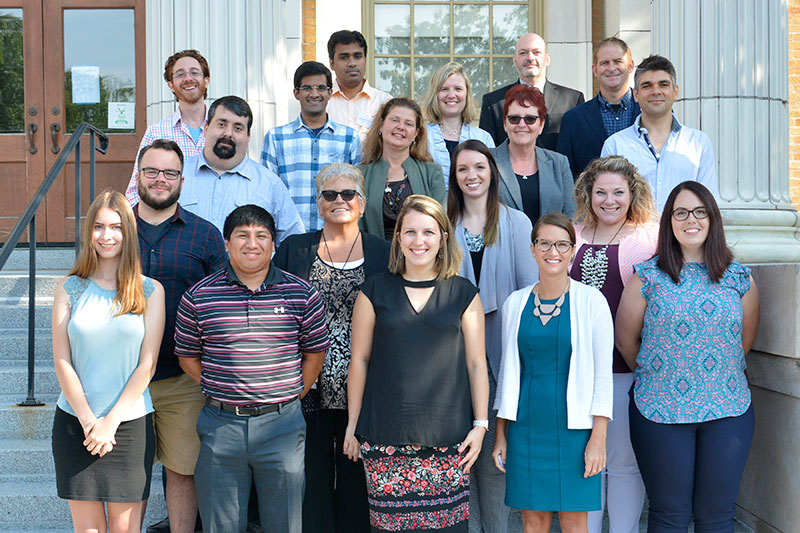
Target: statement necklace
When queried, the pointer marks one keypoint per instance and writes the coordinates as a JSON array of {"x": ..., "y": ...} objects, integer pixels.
[
  {"x": 330, "y": 257},
  {"x": 594, "y": 265},
  {"x": 547, "y": 311},
  {"x": 455, "y": 133}
]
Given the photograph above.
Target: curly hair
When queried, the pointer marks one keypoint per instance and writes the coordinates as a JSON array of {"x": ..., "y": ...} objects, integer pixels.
[{"x": 642, "y": 208}]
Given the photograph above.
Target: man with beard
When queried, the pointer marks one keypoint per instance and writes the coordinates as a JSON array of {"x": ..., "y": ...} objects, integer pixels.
[
  {"x": 178, "y": 249},
  {"x": 531, "y": 60},
  {"x": 222, "y": 177},
  {"x": 187, "y": 75},
  {"x": 297, "y": 151}
]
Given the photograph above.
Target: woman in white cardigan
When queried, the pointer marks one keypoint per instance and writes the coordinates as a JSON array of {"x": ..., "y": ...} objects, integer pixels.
[{"x": 555, "y": 389}]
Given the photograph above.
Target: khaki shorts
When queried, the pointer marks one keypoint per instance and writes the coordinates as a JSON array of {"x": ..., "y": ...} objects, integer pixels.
[{"x": 177, "y": 402}]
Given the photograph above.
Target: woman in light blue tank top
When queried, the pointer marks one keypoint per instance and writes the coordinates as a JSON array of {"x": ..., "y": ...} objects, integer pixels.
[{"x": 108, "y": 320}]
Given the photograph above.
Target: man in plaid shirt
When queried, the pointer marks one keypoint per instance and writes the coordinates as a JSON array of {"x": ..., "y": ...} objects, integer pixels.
[
  {"x": 187, "y": 75},
  {"x": 297, "y": 151}
]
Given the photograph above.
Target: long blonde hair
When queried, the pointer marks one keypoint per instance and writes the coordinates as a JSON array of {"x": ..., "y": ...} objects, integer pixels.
[
  {"x": 430, "y": 102},
  {"x": 373, "y": 143},
  {"x": 130, "y": 292},
  {"x": 448, "y": 259}
]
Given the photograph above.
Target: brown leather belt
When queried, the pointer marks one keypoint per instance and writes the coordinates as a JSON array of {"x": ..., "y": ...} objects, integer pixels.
[{"x": 248, "y": 410}]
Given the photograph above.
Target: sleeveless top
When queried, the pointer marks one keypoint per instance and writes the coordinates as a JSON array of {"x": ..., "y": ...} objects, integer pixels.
[
  {"x": 417, "y": 390},
  {"x": 691, "y": 361},
  {"x": 105, "y": 348}
]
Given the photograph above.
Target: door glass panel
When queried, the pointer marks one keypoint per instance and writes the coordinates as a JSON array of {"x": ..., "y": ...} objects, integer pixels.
[
  {"x": 100, "y": 69},
  {"x": 12, "y": 76}
]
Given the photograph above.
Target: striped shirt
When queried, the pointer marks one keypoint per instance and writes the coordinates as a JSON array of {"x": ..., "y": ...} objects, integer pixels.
[
  {"x": 249, "y": 342},
  {"x": 296, "y": 154},
  {"x": 174, "y": 129}
]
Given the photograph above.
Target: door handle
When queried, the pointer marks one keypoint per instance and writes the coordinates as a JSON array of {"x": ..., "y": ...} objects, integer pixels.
[
  {"x": 32, "y": 128},
  {"x": 55, "y": 127}
]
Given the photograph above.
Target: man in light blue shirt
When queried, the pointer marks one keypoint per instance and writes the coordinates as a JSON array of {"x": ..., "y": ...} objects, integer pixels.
[
  {"x": 665, "y": 152},
  {"x": 222, "y": 177},
  {"x": 297, "y": 151}
]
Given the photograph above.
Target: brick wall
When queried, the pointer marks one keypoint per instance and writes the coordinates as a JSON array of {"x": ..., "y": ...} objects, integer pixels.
[
  {"x": 794, "y": 100},
  {"x": 309, "y": 30}
]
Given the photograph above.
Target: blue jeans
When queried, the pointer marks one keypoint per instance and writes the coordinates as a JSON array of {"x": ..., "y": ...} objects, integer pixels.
[
  {"x": 691, "y": 469},
  {"x": 235, "y": 451}
]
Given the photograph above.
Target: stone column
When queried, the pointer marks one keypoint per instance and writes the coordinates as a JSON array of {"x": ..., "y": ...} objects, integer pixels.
[
  {"x": 568, "y": 32},
  {"x": 731, "y": 58}
]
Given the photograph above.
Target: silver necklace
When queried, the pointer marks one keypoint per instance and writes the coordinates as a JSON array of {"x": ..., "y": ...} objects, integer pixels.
[
  {"x": 594, "y": 265},
  {"x": 451, "y": 132},
  {"x": 547, "y": 311}
]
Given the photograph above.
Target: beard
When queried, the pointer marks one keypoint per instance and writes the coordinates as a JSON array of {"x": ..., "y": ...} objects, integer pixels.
[
  {"x": 223, "y": 151},
  {"x": 158, "y": 203}
]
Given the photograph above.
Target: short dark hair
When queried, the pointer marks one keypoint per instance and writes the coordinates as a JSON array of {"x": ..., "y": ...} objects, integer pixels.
[
  {"x": 557, "y": 219},
  {"x": 235, "y": 105},
  {"x": 161, "y": 144},
  {"x": 651, "y": 63},
  {"x": 311, "y": 68},
  {"x": 716, "y": 254},
  {"x": 346, "y": 37},
  {"x": 526, "y": 96},
  {"x": 248, "y": 215},
  {"x": 171, "y": 60}
]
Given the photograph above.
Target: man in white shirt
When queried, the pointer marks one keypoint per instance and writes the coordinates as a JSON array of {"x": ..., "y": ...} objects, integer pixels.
[
  {"x": 353, "y": 100},
  {"x": 664, "y": 151}
]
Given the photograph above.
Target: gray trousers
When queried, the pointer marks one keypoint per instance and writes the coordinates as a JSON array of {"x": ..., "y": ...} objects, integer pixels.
[
  {"x": 487, "y": 485},
  {"x": 267, "y": 450}
]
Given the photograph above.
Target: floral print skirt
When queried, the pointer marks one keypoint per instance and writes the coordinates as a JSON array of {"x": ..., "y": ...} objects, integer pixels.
[{"x": 415, "y": 488}]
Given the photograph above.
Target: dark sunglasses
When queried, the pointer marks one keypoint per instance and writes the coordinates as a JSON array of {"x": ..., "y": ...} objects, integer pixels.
[
  {"x": 530, "y": 120},
  {"x": 346, "y": 194}
]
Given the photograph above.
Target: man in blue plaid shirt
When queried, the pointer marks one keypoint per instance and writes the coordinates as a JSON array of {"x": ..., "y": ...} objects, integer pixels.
[{"x": 297, "y": 151}]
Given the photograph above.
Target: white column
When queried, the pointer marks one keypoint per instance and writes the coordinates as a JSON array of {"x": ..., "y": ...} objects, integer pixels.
[
  {"x": 631, "y": 21},
  {"x": 731, "y": 58},
  {"x": 568, "y": 31}
]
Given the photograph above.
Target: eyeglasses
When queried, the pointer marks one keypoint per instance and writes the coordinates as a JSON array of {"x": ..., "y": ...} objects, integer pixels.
[
  {"x": 682, "y": 214},
  {"x": 530, "y": 120},
  {"x": 346, "y": 194},
  {"x": 152, "y": 173},
  {"x": 544, "y": 245},
  {"x": 181, "y": 74},
  {"x": 309, "y": 88}
]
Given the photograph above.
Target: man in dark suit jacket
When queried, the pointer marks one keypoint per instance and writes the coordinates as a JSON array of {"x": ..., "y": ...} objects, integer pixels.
[
  {"x": 531, "y": 59},
  {"x": 585, "y": 128}
]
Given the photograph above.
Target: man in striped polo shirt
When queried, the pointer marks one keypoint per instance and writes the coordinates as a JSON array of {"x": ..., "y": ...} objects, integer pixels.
[{"x": 254, "y": 337}]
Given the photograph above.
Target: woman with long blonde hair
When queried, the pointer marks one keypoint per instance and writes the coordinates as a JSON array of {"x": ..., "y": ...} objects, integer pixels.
[{"x": 108, "y": 320}]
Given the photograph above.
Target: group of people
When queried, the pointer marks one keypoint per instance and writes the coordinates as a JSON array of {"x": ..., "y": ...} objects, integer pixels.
[{"x": 401, "y": 321}]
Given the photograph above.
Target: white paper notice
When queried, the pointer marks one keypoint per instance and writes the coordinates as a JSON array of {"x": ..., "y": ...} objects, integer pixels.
[
  {"x": 121, "y": 115},
  {"x": 85, "y": 85}
]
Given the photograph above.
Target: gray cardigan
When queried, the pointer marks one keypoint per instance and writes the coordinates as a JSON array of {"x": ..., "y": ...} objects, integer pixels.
[
  {"x": 555, "y": 181},
  {"x": 507, "y": 265}
]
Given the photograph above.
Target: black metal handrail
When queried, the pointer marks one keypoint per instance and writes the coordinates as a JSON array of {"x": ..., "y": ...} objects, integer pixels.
[{"x": 28, "y": 219}]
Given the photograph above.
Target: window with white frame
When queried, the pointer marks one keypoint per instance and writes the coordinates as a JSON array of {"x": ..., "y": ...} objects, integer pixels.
[{"x": 411, "y": 38}]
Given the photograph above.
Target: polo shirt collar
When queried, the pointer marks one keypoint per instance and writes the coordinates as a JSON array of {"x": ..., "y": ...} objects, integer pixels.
[
  {"x": 274, "y": 276},
  {"x": 243, "y": 168}
]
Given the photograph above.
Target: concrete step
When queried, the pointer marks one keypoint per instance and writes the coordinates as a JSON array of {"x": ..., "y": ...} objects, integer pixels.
[
  {"x": 14, "y": 345},
  {"x": 14, "y": 283},
  {"x": 46, "y": 259},
  {"x": 14, "y": 378},
  {"x": 26, "y": 457},
  {"x": 26, "y": 422},
  {"x": 15, "y": 314}
]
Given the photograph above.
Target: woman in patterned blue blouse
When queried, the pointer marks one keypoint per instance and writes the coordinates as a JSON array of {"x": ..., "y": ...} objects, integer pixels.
[{"x": 686, "y": 319}]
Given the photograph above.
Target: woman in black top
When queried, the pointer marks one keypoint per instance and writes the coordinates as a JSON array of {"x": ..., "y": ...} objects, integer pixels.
[
  {"x": 418, "y": 387},
  {"x": 335, "y": 260}
]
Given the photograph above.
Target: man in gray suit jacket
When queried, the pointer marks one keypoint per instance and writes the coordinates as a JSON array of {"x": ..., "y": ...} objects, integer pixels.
[{"x": 531, "y": 59}]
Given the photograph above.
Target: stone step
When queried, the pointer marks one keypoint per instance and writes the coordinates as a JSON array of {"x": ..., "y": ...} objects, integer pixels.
[
  {"x": 14, "y": 283},
  {"x": 15, "y": 314},
  {"x": 26, "y": 457},
  {"x": 46, "y": 259},
  {"x": 14, "y": 378},
  {"x": 26, "y": 422},
  {"x": 14, "y": 345}
]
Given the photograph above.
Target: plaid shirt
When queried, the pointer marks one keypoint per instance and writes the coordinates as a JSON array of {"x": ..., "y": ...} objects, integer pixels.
[
  {"x": 294, "y": 153},
  {"x": 619, "y": 119},
  {"x": 188, "y": 250},
  {"x": 174, "y": 129}
]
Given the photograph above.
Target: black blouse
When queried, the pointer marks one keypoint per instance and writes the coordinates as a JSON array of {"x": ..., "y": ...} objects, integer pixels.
[{"x": 417, "y": 389}]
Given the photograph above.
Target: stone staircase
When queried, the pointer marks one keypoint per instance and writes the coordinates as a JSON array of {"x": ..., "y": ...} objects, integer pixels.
[{"x": 28, "y": 500}]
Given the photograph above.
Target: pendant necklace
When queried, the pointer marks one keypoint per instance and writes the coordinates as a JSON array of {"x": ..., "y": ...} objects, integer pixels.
[
  {"x": 547, "y": 311},
  {"x": 594, "y": 264},
  {"x": 325, "y": 242}
]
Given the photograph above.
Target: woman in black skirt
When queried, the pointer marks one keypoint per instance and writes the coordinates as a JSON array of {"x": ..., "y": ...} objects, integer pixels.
[{"x": 107, "y": 325}]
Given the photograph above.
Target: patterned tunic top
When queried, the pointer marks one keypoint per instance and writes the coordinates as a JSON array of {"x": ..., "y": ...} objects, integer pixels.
[{"x": 691, "y": 361}]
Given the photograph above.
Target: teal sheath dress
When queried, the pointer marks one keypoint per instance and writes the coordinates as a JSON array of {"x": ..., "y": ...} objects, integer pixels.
[{"x": 545, "y": 464}]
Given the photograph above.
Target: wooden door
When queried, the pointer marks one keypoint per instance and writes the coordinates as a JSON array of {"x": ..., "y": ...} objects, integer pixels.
[{"x": 82, "y": 60}]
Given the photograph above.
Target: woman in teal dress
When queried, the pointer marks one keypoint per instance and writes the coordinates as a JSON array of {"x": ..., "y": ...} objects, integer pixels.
[{"x": 554, "y": 393}]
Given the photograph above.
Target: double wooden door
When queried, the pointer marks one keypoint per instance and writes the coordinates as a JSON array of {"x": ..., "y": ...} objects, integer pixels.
[{"x": 63, "y": 62}]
